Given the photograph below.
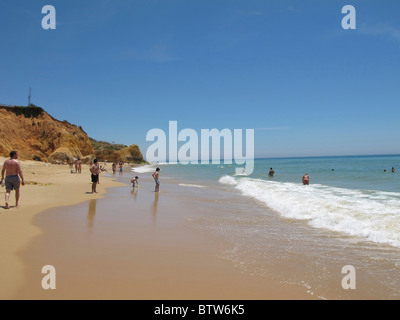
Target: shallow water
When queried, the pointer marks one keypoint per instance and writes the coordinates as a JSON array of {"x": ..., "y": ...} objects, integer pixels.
[{"x": 303, "y": 235}]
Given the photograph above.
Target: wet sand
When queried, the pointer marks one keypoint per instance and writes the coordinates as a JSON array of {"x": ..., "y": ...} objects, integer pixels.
[
  {"x": 137, "y": 245},
  {"x": 46, "y": 187}
]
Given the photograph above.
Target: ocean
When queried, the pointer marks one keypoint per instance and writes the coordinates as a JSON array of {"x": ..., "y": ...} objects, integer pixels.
[{"x": 304, "y": 235}]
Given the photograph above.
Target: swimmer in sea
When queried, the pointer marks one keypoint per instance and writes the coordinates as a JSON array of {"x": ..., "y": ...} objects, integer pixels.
[
  {"x": 306, "y": 180},
  {"x": 271, "y": 172}
]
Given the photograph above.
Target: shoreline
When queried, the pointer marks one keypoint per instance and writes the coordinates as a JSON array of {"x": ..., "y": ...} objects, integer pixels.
[
  {"x": 195, "y": 240},
  {"x": 47, "y": 187},
  {"x": 138, "y": 246}
]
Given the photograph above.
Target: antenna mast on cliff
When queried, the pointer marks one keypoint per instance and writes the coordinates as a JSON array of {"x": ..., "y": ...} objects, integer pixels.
[{"x": 29, "y": 97}]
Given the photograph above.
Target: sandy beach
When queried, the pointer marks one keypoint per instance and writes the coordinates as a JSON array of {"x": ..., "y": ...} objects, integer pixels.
[
  {"x": 128, "y": 245},
  {"x": 196, "y": 239},
  {"x": 46, "y": 187}
]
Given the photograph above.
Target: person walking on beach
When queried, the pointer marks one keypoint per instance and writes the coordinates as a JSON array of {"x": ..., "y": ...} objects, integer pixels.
[
  {"x": 13, "y": 172},
  {"x": 393, "y": 170},
  {"x": 79, "y": 165},
  {"x": 271, "y": 172},
  {"x": 156, "y": 176},
  {"x": 114, "y": 168},
  {"x": 121, "y": 168},
  {"x": 94, "y": 169},
  {"x": 306, "y": 180}
]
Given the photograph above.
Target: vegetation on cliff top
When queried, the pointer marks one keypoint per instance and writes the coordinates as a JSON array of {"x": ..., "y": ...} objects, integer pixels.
[
  {"x": 106, "y": 146},
  {"x": 28, "y": 112},
  {"x": 106, "y": 151}
]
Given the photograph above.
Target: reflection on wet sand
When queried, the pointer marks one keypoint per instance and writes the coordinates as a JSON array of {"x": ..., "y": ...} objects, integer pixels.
[
  {"x": 134, "y": 193},
  {"x": 155, "y": 207},
  {"x": 92, "y": 212}
]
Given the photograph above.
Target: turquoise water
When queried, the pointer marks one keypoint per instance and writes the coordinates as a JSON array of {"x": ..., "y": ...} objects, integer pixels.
[
  {"x": 358, "y": 172},
  {"x": 301, "y": 234},
  {"x": 358, "y": 198}
]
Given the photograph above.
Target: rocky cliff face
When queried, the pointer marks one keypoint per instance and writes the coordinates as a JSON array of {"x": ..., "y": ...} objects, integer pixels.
[{"x": 35, "y": 134}]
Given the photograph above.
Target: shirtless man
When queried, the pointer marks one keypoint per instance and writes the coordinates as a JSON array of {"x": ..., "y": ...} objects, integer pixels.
[
  {"x": 95, "y": 170},
  {"x": 12, "y": 169},
  {"x": 306, "y": 180},
  {"x": 156, "y": 176},
  {"x": 393, "y": 170},
  {"x": 271, "y": 172}
]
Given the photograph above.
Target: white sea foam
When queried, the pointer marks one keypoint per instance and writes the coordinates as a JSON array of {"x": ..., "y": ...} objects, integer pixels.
[
  {"x": 191, "y": 185},
  {"x": 228, "y": 180},
  {"x": 374, "y": 215},
  {"x": 144, "y": 169}
]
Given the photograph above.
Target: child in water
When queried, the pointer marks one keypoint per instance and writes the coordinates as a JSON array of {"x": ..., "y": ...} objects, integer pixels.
[{"x": 135, "y": 182}]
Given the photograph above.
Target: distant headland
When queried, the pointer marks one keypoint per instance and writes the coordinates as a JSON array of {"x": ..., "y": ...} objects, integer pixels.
[{"x": 36, "y": 135}]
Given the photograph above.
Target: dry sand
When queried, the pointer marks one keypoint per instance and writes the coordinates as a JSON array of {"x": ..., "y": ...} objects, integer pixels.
[{"x": 46, "y": 187}]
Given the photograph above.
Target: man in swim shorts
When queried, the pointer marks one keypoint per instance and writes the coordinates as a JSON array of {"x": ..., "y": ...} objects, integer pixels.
[
  {"x": 306, "y": 180},
  {"x": 13, "y": 172},
  {"x": 95, "y": 170},
  {"x": 156, "y": 176}
]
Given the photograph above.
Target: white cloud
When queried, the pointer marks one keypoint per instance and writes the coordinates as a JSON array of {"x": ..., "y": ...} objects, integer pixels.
[
  {"x": 272, "y": 128},
  {"x": 381, "y": 30}
]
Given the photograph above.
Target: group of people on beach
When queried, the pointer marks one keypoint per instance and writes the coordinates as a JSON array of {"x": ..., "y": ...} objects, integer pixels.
[
  {"x": 121, "y": 167},
  {"x": 14, "y": 177},
  {"x": 96, "y": 169},
  {"x": 77, "y": 163},
  {"x": 156, "y": 177}
]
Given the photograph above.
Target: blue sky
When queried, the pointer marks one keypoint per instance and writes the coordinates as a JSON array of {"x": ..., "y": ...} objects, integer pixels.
[{"x": 285, "y": 68}]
